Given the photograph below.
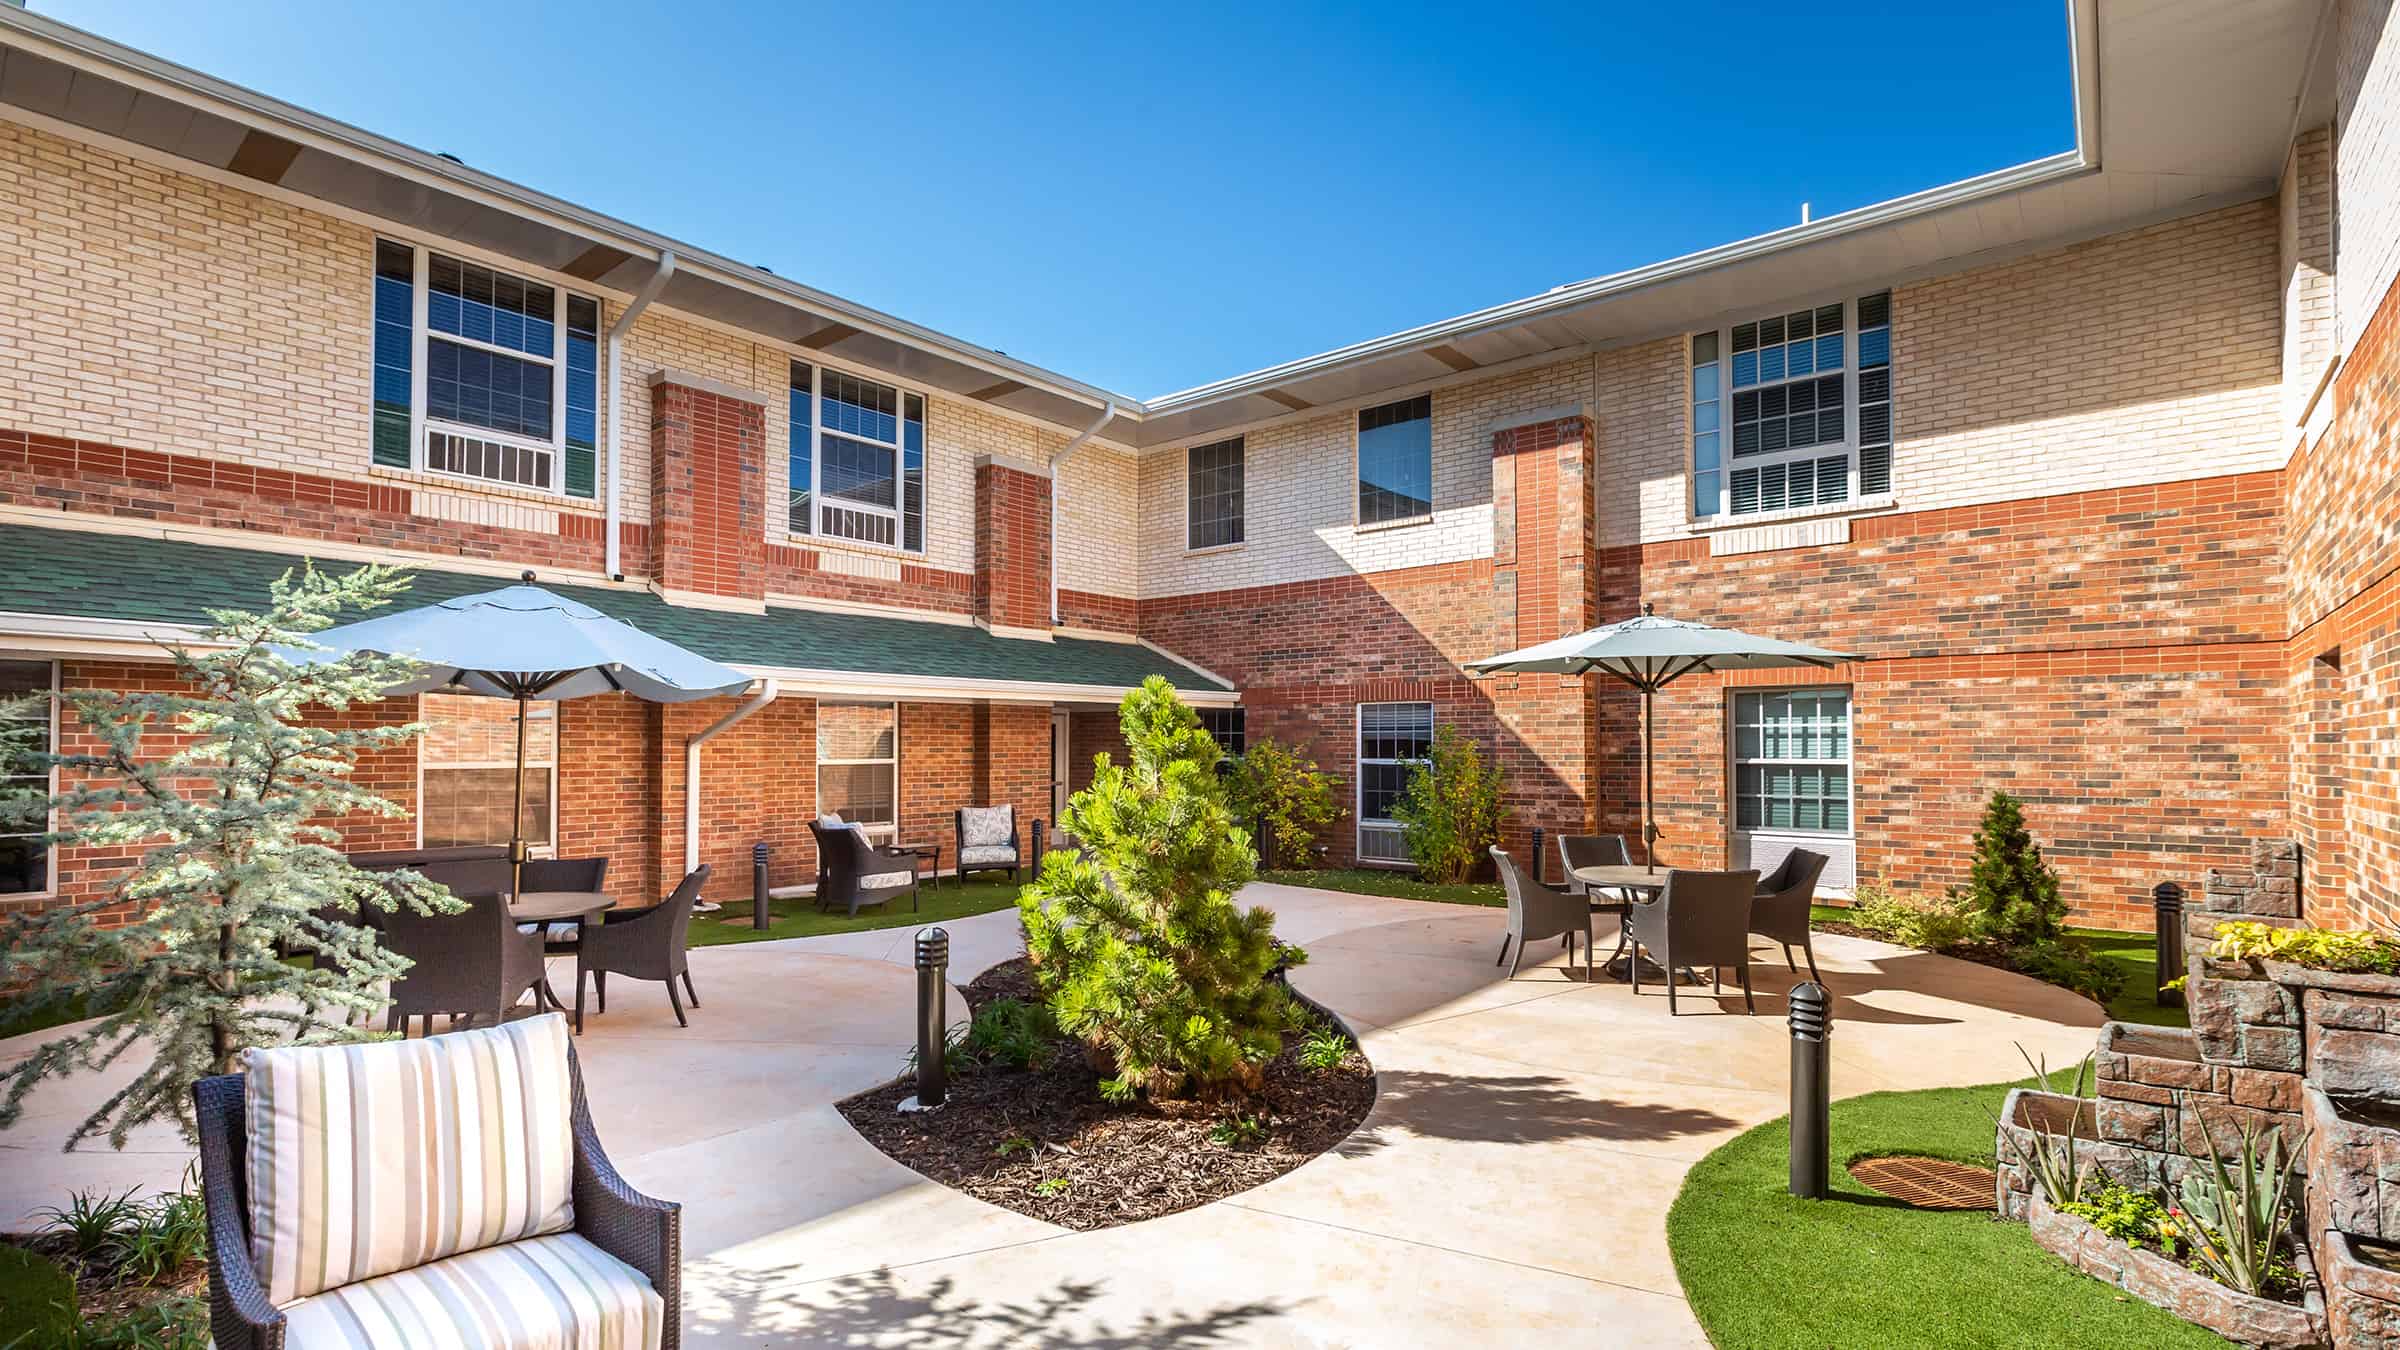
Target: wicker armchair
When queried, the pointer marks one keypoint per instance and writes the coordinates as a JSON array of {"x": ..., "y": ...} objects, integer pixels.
[
  {"x": 1779, "y": 912},
  {"x": 563, "y": 874},
  {"x": 987, "y": 839},
  {"x": 1598, "y": 850},
  {"x": 853, "y": 872},
  {"x": 649, "y": 944},
  {"x": 1700, "y": 919},
  {"x": 471, "y": 965},
  {"x": 1537, "y": 911},
  {"x": 644, "y": 1233}
]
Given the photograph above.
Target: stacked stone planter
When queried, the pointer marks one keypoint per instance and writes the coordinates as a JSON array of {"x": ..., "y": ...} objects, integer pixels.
[
  {"x": 2194, "y": 1297},
  {"x": 2313, "y": 1054}
]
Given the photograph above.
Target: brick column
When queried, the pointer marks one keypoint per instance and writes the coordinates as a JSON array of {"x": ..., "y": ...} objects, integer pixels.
[
  {"x": 708, "y": 524},
  {"x": 1544, "y": 560},
  {"x": 1012, "y": 544}
]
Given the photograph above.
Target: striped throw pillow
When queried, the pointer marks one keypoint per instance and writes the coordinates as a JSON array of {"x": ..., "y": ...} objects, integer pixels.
[{"x": 367, "y": 1159}]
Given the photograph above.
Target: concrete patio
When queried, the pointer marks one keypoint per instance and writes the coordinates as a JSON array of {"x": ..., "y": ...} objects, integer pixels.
[{"x": 1527, "y": 1138}]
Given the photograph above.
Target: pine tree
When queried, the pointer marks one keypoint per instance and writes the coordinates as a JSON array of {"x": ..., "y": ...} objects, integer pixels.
[
  {"x": 238, "y": 866},
  {"x": 1137, "y": 940},
  {"x": 2012, "y": 890}
]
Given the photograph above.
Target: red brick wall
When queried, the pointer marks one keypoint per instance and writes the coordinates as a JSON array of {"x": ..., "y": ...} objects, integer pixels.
[
  {"x": 793, "y": 570},
  {"x": 1012, "y": 546},
  {"x": 1543, "y": 560},
  {"x": 2342, "y": 538},
  {"x": 708, "y": 492},
  {"x": 609, "y": 786},
  {"x": 1101, "y": 613},
  {"x": 87, "y": 477}
]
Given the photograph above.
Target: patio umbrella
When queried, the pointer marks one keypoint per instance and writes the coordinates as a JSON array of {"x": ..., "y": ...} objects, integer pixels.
[
  {"x": 1650, "y": 653},
  {"x": 526, "y": 643}
]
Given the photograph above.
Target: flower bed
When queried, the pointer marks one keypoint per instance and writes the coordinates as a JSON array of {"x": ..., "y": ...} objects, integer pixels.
[{"x": 2158, "y": 1278}]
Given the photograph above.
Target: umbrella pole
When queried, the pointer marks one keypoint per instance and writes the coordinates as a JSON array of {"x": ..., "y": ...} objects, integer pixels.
[
  {"x": 1649, "y": 773},
  {"x": 516, "y": 829}
]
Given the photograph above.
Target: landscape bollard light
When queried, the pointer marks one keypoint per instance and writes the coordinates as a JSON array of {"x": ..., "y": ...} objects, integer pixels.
[
  {"x": 1541, "y": 868},
  {"x": 758, "y": 888},
  {"x": 2167, "y": 898},
  {"x": 1037, "y": 846},
  {"x": 1812, "y": 1025},
  {"x": 933, "y": 998}
]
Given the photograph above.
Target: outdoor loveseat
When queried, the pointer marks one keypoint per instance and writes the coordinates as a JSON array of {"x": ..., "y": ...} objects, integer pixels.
[{"x": 368, "y": 1230}]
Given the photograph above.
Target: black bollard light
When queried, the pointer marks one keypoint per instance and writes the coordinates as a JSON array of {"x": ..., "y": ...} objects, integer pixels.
[
  {"x": 2167, "y": 899},
  {"x": 933, "y": 998},
  {"x": 1037, "y": 847},
  {"x": 1811, "y": 1018},
  {"x": 1541, "y": 865},
  {"x": 759, "y": 918}
]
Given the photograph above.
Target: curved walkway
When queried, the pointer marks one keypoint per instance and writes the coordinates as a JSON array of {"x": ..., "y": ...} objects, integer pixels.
[{"x": 1511, "y": 1181}]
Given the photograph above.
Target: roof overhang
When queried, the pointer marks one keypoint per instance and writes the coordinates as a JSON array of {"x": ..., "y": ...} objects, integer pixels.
[
  {"x": 54, "y": 71},
  {"x": 2180, "y": 105}
]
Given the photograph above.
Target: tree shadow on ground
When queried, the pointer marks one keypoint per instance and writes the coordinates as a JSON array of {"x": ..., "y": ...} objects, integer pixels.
[
  {"x": 874, "y": 1308},
  {"x": 1515, "y": 1109}
]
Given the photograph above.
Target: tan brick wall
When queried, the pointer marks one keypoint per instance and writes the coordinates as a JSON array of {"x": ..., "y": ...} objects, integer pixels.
[
  {"x": 2304, "y": 252},
  {"x": 1099, "y": 495},
  {"x": 2366, "y": 38}
]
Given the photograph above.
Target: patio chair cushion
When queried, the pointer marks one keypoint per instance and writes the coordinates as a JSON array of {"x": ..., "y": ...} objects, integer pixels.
[
  {"x": 1003, "y": 854},
  {"x": 986, "y": 827},
  {"x": 367, "y": 1159},
  {"x": 545, "y": 1293},
  {"x": 831, "y": 822},
  {"x": 554, "y": 932}
]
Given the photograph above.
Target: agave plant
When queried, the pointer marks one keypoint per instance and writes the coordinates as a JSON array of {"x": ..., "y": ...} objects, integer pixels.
[
  {"x": 2240, "y": 1216},
  {"x": 2052, "y": 1157}
]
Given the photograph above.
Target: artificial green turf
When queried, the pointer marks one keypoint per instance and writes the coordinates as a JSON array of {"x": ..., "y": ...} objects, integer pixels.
[
  {"x": 37, "y": 1300},
  {"x": 2136, "y": 952},
  {"x": 1396, "y": 884},
  {"x": 798, "y": 917},
  {"x": 1765, "y": 1269}
]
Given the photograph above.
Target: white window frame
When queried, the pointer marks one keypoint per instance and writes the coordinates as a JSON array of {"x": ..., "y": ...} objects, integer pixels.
[
  {"x": 1359, "y": 762},
  {"x": 49, "y": 855},
  {"x": 1849, "y": 761},
  {"x": 422, "y": 426},
  {"x": 899, "y": 448},
  {"x": 1726, "y": 464},
  {"x": 1242, "y": 442},
  {"x": 873, "y": 830},
  {"x": 550, "y": 767},
  {"x": 1358, "y": 520}
]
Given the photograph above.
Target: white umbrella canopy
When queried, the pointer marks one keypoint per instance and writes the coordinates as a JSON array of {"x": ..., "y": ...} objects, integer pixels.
[
  {"x": 1649, "y": 652},
  {"x": 526, "y": 643}
]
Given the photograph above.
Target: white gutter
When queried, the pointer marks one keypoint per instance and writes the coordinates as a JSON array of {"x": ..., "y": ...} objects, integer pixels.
[
  {"x": 616, "y": 334},
  {"x": 767, "y": 693},
  {"x": 1108, "y": 410}
]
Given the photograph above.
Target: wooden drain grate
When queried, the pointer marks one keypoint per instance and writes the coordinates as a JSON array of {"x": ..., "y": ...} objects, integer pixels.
[{"x": 1929, "y": 1183}]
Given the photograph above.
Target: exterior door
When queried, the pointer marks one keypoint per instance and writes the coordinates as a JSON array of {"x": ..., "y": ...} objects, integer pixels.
[{"x": 1061, "y": 758}]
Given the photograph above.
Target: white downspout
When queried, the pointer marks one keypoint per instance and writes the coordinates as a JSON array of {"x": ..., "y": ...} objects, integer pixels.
[
  {"x": 616, "y": 334},
  {"x": 767, "y": 693},
  {"x": 1108, "y": 410}
]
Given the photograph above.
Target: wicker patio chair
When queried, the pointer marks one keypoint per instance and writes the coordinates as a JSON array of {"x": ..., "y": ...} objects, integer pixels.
[
  {"x": 855, "y": 873},
  {"x": 649, "y": 944},
  {"x": 1598, "y": 850},
  {"x": 471, "y": 965},
  {"x": 1779, "y": 912},
  {"x": 1700, "y": 919},
  {"x": 1537, "y": 911},
  {"x": 987, "y": 840},
  {"x": 641, "y": 1232}
]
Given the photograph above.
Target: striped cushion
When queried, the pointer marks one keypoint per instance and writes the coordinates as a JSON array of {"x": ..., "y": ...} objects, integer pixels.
[
  {"x": 545, "y": 1293},
  {"x": 366, "y": 1159}
]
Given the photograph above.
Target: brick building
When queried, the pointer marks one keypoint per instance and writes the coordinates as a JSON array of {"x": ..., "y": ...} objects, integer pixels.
[{"x": 2089, "y": 461}]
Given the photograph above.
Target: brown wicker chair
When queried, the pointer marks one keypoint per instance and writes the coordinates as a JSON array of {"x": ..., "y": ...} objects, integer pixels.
[
  {"x": 1598, "y": 850},
  {"x": 649, "y": 944},
  {"x": 645, "y": 1234},
  {"x": 1780, "y": 910},
  {"x": 1700, "y": 919},
  {"x": 563, "y": 874},
  {"x": 471, "y": 965},
  {"x": 1536, "y": 911},
  {"x": 855, "y": 873}
]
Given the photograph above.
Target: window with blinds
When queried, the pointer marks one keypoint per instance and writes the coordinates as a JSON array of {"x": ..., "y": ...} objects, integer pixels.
[{"x": 1793, "y": 409}]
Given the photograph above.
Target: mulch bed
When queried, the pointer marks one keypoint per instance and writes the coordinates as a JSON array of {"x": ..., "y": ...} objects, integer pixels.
[{"x": 1043, "y": 1143}]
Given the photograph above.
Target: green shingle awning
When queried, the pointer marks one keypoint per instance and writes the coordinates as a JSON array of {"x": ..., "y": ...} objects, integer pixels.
[{"x": 134, "y": 579}]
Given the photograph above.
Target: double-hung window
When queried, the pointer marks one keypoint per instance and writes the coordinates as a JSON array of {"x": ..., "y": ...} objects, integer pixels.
[
  {"x": 26, "y": 704},
  {"x": 1393, "y": 739},
  {"x": 1212, "y": 494},
  {"x": 1395, "y": 461},
  {"x": 1228, "y": 727},
  {"x": 857, "y": 459},
  {"x": 1793, "y": 409},
  {"x": 858, "y": 765},
  {"x": 469, "y": 754},
  {"x": 482, "y": 374}
]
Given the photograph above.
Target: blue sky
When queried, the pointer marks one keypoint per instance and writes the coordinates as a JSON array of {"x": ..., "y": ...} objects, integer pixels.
[{"x": 1152, "y": 201}]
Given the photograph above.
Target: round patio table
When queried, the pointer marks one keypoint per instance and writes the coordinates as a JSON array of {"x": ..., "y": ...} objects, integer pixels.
[
  {"x": 549, "y": 907},
  {"x": 1628, "y": 878}
]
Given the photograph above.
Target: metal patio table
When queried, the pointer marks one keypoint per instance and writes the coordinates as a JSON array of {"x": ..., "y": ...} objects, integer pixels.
[{"x": 548, "y": 907}]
